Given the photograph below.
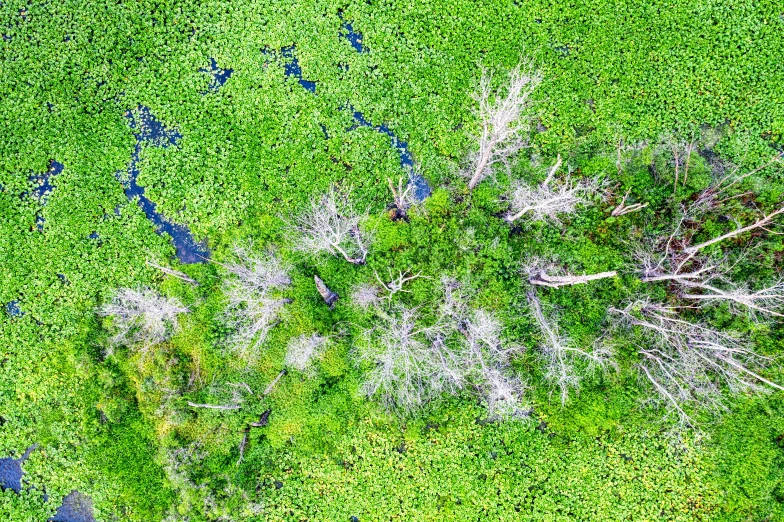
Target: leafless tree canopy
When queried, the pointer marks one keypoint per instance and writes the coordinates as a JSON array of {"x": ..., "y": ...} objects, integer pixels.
[
  {"x": 253, "y": 290},
  {"x": 550, "y": 199},
  {"x": 142, "y": 317},
  {"x": 302, "y": 350},
  {"x": 565, "y": 363},
  {"x": 412, "y": 361},
  {"x": 686, "y": 363},
  {"x": 332, "y": 225},
  {"x": 502, "y": 119},
  {"x": 366, "y": 296},
  {"x": 404, "y": 361}
]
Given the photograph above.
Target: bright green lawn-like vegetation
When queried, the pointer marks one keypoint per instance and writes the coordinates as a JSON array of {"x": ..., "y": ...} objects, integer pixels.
[{"x": 629, "y": 94}]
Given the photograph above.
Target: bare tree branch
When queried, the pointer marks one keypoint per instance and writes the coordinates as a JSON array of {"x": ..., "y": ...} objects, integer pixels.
[
  {"x": 691, "y": 250},
  {"x": 687, "y": 362},
  {"x": 537, "y": 275},
  {"x": 395, "y": 285},
  {"x": 215, "y": 406},
  {"x": 622, "y": 209},
  {"x": 403, "y": 198},
  {"x": 174, "y": 273},
  {"x": 302, "y": 350},
  {"x": 503, "y": 127},
  {"x": 550, "y": 199}
]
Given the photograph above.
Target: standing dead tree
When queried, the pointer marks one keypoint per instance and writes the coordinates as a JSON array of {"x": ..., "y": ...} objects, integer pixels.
[
  {"x": 503, "y": 127},
  {"x": 687, "y": 363},
  {"x": 403, "y": 198},
  {"x": 302, "y": 350},
  {"x": 408, "y": 363},
  {"x": 395, "y": 285},
  {"x": 366, "y": 296},
  {"x": 485, "y": 360},
  {"x": 551, "y": 198},
  {"x": 332, "y": 225},
  {"x": 565, "y": 363},
  {"x": 253, "y": 290},
  {"x": 142, "y": 317}
]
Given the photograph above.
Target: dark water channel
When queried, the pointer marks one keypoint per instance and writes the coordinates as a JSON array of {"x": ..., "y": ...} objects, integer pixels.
[
  {"x": 353, "y": 37},
  {"x": 150, "y": 131},
  {"x": 421, "y": 189}
]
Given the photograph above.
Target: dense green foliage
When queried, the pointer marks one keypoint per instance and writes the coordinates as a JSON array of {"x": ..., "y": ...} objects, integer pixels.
[{"x": 117, "y": 427}]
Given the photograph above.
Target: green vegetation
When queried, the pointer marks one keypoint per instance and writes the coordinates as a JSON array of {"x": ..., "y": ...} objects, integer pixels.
[{"x": 115, "y": 423}]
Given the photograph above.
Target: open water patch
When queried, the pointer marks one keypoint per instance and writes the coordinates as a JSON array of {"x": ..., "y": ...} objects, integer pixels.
[
  {"x": 12, "y": 309},
  {"x": 149, "y": 130},
  {"x": 76, "y": 507},
  {"x": 421, "y": 188},
  {"x": 291, "y": 68},
  {"x": 11, "y": 472},
  {"x": 219, "y": 75},
  {"x": 353, "y": 37},
  {"x": 43, "y": 182}
]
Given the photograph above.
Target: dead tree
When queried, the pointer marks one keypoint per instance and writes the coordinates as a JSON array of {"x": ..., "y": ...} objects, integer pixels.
[
  {"x": 332, "y": 225},
  {"x": 366, "y": 296},
  {"x": 503, "y": 126},
  {"x": 253, "y": 290},
  {"x": 726, "y": 177},
  {"x": 681, "y": 156},
  {"x": 238, "y": 398},
  {"x": 537, "y": 275},
  {"x": 762, "y": 223},
  {"x": 551, "y": 198},
  {"x": 677, "y": 260},
  {"x": 687, "y": 364},
  {"x": 565, "y": 363},
  {"x": 485, "y": 362},
  {"x": 142, "y": 318},
  {"x": 328, "y": 295}
]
